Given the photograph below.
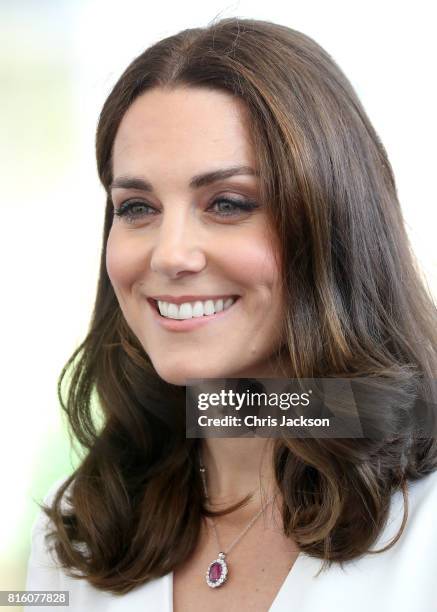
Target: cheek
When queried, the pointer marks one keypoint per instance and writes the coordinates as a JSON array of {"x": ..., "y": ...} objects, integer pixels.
[
  {"x": 122, "y": 261},
  {"x": 257, "y": 266},
  {"x": 263, "y": 279}
]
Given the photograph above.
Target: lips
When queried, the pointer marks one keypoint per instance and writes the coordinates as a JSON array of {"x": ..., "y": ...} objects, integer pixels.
[{"x": 187, "y": 325}]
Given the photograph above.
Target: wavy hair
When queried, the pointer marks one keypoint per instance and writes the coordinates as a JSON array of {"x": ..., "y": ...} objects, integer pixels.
[{"x": 356, "y": 306}]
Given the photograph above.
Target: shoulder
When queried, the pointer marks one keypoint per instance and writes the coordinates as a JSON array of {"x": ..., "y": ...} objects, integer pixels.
[
  {"x": 421, "y": 507},
  {"x": 42, "y": 569},
  {"x": 45, "y": 573},
  {"x": 422, "y": 498},
  {"x": 42, "y": 522}
]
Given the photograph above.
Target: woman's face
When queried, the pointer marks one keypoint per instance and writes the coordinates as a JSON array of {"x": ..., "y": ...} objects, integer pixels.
[{"x": 189, "y": 230}]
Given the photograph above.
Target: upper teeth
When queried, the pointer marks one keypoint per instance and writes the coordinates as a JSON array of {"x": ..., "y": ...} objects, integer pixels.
[{"x": 193, "y": 309}]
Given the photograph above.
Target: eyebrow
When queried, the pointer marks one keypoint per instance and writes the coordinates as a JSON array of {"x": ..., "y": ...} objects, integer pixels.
[{"x": 200, "y": 180}]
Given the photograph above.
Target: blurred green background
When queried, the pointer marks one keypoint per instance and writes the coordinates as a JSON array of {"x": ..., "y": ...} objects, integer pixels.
[{"x": 58, "y": 61}]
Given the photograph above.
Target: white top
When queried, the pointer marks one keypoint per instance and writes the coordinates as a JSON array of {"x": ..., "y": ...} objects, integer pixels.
[{"x": 402, "y": 579}]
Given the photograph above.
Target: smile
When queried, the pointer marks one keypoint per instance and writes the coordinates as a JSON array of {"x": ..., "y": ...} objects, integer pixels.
[
  {"x": 189, "y": 315},
  {"x": 189, "y": 310}
]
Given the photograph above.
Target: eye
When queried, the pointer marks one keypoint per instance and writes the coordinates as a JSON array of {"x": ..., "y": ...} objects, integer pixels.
[
  {"x": 133, "y": 210},
  {"x": 228, "y": 207}
]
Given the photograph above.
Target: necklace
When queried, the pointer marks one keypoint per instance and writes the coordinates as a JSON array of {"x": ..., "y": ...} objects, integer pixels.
[{"x": 218, "y": 570}]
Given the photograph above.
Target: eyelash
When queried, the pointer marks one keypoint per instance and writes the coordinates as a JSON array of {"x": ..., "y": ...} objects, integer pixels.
[{"x": 125, "y": 209}]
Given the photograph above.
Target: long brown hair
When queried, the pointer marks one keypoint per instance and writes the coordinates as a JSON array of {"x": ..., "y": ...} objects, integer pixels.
[{"x": 356, "y": 306}]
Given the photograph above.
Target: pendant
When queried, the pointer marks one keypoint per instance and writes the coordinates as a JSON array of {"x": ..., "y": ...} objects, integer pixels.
[{"x": 217, "y": 571}]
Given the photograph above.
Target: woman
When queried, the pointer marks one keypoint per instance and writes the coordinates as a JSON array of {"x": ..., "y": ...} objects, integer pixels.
[{"x": 252, "y": 229}]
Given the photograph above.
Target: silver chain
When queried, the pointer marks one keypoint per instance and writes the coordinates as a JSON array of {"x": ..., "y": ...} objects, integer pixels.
[{"x": 248, "y": 526}]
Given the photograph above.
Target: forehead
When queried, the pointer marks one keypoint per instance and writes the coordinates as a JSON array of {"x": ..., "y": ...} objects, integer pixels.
[{"x": 189, "y": 126}]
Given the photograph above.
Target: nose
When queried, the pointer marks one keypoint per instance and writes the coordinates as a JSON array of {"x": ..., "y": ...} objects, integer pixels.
[{"x": 177, "y": 249}]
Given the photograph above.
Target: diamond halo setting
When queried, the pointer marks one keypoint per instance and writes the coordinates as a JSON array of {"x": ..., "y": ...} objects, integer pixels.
[{"x": 217, "y": 571}]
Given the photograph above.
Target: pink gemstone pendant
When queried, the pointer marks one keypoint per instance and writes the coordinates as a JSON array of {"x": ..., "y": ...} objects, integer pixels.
[{"x": 217, "y": 571}]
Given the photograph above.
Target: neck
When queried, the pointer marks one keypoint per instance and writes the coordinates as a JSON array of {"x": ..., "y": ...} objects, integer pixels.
[{"x": 236, "y": 467}]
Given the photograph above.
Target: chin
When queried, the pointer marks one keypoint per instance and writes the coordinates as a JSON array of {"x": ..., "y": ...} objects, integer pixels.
[{"x": 179, "y": 375}]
